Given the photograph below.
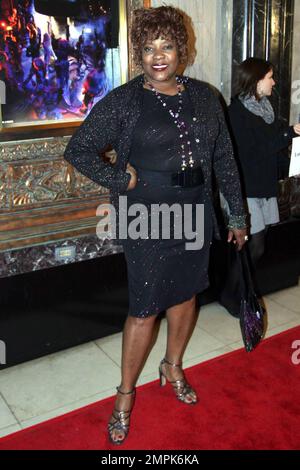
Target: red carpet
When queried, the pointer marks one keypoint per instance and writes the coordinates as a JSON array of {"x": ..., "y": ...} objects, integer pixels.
[{"x": 248, "y": 401}]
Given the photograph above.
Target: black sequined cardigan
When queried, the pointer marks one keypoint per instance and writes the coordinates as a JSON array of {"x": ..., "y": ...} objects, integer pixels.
[{"x": 112, "y": 121}]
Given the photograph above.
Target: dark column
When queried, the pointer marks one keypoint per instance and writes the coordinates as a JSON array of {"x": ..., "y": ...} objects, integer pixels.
[{"x": 264, "y": 28}]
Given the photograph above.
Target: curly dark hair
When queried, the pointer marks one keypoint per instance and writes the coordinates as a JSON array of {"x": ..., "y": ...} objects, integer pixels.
[
  {"x": 151, "y": 23},
  {"x": 249, "y": 73}
]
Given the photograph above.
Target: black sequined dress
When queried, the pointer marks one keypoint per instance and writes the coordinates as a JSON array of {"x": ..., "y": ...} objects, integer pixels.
[{"x": 161, "y": 271}]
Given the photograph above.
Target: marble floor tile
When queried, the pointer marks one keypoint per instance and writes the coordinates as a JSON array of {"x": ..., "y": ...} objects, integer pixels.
[
  {"x": 295, "y": 291},
  {"x": 207, "y": 356},
  {"x": 200, "y": 343},
  {"x": 281, "y": 328},
  {"x": 287, "y": 299},
  {"x": 39, "y": 386},
  {"x": 277, "y": 314},
  {"x": 6, "y": 416},
  {"x": 9, "y": 430},
  {"x": 76, "y": 405},
  {"x": 216, "y": 321},
  {"x": 189, "y": 363},
  {"x": 270, "y": 332}
]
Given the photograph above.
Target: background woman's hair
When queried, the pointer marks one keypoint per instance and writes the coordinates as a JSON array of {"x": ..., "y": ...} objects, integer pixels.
[
  {"x": 151, "y": 23},
  {"x": 248, "y": 74}
]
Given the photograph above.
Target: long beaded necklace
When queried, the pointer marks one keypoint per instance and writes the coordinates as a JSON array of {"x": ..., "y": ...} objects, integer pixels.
[{"x": 186, "y": 148}]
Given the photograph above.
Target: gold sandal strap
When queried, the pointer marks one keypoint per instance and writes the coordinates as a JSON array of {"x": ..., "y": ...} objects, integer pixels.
[
  {"x": 125, "y": 393},
  {"x": 121, "y": 417},
  {"x": 186, "y": 388},
  {"x": 120, "y": 413},
  {"x": 119, "y": 425},
  {"x": 170, "y": 363}
]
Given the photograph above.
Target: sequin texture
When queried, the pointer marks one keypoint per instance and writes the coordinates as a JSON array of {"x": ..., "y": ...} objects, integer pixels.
[{"x": 160, "y": 272}]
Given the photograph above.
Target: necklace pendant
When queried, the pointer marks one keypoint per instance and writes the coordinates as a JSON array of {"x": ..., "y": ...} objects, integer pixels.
[
  {"x": 179, "y": 123},
  {"x": 183, "y": 165}
]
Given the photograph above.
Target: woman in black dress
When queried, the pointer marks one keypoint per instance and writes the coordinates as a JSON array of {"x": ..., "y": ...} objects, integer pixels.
[{"x": 169, "y": 133}]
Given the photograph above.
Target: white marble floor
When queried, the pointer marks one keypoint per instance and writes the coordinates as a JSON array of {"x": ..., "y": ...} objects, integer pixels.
[{"x": 56, "y": 384}]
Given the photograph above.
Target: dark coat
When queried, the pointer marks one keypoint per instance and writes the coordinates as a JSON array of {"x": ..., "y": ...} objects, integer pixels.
[
  {"x": 112, "y": 121},
  {"x": 259, "y": 149}
]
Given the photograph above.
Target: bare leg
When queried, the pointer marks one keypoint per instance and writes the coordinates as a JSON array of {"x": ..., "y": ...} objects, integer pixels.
[
  {"x": 137, "y": 339},
  {"x": 181, "y": 319}
]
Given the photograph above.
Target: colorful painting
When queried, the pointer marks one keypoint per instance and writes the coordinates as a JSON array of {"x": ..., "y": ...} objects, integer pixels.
[{"x": 56, "y": 67}]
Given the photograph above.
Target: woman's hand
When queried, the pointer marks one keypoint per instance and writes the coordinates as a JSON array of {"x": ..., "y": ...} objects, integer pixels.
[
  {"x": 133, "y": 180},
  {"x": 111, "y": 156},
  {"x": 297, "y": 129},
  {"x": 238, "y": 236}
]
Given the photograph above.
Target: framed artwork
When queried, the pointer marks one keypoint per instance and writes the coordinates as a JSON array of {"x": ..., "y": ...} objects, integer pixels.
[
  {"x": 43, "y": 200},
  {"x": 59, "y": 57}
]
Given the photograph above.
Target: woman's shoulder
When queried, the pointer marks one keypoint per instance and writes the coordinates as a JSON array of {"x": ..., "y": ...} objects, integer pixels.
[
  {"x": 198, "y": 85},
  {"x": 204, "y": 93},
  {"x": 235, "y": 103},
  {"x": 127, "y": 87},
  {"x": 236, "y": 107},
  {"x": 118, "y": 97}
]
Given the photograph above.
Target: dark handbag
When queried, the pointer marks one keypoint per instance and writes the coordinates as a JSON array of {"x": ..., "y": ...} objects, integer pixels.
[
  {"x": 289, "y": 198},
  {"x": 284, "y": 194},
  {"x": 237, "y": 295},
  {"x": 252, "y": 313},
  {"x": 229, "y": 291},
  {"x": 295, "y": 196}
]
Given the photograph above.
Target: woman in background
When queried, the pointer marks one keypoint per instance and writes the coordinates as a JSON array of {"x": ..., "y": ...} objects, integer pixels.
[{"x": 259, "y": 140}]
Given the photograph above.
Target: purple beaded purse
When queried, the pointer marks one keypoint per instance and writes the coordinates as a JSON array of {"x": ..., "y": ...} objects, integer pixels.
[{"x": 252, "y": 313}]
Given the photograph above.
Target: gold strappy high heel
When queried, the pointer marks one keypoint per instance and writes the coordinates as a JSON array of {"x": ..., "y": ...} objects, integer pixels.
[
  {"x": 121, "y": 422},
  {"x": 181, "y": 387}
]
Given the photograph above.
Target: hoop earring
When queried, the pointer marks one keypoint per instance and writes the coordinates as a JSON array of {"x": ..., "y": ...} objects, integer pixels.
[{"x": 259, "y": 91}]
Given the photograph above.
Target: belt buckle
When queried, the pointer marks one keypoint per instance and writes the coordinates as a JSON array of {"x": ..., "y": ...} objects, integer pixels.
[{"x": 188, "y": 178}]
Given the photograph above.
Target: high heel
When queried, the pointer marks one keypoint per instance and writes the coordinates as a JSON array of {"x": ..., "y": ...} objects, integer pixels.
[
  {"x": 121, "y": 422},
  {"x": 181, "y": 387}
]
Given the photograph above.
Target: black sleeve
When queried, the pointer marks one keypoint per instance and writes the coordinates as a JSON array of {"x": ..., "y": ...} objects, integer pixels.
[
  {"x": 253, "y": 141},
  {"x": 227, "y": 173},
  {"x": 98, "y": 130}
]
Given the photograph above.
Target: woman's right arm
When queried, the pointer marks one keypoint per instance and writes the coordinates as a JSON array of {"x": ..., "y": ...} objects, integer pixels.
[{"x": 100, "y": 128}]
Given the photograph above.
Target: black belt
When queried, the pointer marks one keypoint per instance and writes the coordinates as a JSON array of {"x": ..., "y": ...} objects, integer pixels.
[{"x": 188, "y": 178}]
